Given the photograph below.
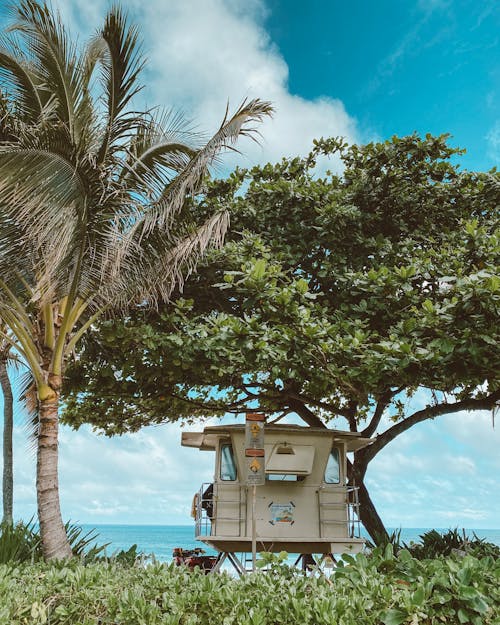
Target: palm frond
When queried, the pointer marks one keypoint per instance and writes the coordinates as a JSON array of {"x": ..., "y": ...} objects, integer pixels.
[
  {"x": 54, "y": 58},
  {"x": 187, "y": 182},
  {"x": 161, "y": 148},
  {"x": 152, "y": 269},
  {"x": 18, "y": 81},
  {"x": 42, "y": 203},
  {"x": 8, "y": 354},
  {"x": 38, "y": 189},
  {"x": 120, "y": 70},
  {"x": 87, "y": 109},
  {"x": 93, "y": 214}
]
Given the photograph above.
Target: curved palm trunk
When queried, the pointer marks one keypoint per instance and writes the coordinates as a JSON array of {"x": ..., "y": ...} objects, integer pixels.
[
  {"x": 54, "y": 540},
  {"x": 8, "y": 460}
]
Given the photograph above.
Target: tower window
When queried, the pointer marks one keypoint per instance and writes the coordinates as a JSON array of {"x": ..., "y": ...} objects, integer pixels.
[
  {"x": 332, "y": 473},
  {"x": 227, "y": 464}
]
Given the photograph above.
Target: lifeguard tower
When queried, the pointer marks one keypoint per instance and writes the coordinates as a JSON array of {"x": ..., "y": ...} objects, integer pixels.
[{"x": 303, "y": 507}]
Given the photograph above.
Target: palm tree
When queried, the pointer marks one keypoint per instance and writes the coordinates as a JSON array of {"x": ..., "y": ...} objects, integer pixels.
[
  {"x": 8, "y": 426},
  {"x": 8, "y": 360},
  {"x": 28, "y": 398},
  {"x": 94, "y": 204}
]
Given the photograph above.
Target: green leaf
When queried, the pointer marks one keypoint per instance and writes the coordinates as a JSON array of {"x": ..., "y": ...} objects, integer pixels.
[
  {"x": 302, "y": 286},
  {"x": 418, "y": 596},
  {"x": 393, "y": 617},
  {"x": 428, "y": 306},
  {"x": 259, "y": 269}
]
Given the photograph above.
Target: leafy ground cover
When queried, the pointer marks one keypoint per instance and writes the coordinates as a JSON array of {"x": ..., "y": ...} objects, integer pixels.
[{"x": 381, "y": 589}]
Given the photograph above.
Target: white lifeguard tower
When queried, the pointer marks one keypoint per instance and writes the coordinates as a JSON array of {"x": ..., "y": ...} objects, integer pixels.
[{"x": 304, "y": 506}]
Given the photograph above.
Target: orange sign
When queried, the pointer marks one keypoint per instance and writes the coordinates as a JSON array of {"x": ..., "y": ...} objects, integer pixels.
[{"x": 254, "y": 448}]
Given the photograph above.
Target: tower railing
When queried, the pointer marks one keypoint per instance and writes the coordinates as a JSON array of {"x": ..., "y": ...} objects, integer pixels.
[{"x": 205, "y": 507}]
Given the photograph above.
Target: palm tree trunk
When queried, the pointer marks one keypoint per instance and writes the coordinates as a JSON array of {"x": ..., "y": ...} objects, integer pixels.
[
  {"x": 8, "y": 423},
  {"x": 55, "y": 543}
]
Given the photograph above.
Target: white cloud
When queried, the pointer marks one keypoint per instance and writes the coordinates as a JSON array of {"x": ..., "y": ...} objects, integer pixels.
[
  {"x": 209, "y": 51},
  {"x": 465, "y": 513},
  {"x": 493, "y": 139},
  {"x": 204, "y": 53},
  {"x": 439, "y": 473}
]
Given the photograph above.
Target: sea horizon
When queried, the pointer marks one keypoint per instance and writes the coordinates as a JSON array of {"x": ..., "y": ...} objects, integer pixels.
[
  {"x": 87, "y": 524},
  {"x": 159, "y": 540}
]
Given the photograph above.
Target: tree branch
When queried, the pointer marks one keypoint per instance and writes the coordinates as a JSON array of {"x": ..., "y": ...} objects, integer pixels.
[
  {"x": 305, "y": 414},
  {"x": 382, "y": 404},
  {"x": 352, "y": 408},
  {"x": 430, "y": 412},
  {"x": 320, "y": 404}
]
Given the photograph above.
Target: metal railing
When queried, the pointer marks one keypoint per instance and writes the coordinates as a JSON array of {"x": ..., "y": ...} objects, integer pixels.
[
  {"x": 351, "y": 521},
  {"x": 203, "y": 502},
  {"x": 353, "y": 518},
  {"x": 206, "y": 511},
  {"x": 208, "y": 514}
]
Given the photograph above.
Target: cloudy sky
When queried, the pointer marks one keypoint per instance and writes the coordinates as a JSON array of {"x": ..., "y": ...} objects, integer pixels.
[{"x": 364, "y": 70}]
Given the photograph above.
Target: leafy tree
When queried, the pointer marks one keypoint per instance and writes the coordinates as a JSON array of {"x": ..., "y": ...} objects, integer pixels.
[
  {"x": 93, "y": 212},
  {"x": 337, "y": 297}
]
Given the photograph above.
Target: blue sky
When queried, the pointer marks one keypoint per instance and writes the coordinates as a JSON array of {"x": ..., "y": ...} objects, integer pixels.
[
  {"x": 364, "y": 70},
  {"x": 431, "y": 66}
]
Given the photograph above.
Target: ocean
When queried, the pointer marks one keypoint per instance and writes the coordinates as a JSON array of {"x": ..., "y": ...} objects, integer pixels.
[{"x": 160, "y": 540}]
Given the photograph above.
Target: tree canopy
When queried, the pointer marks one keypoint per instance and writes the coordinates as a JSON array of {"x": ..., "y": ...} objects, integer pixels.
[{"x": 335, "y": 296}]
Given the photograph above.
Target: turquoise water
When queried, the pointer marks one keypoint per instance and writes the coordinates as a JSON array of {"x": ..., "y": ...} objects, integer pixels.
[{"x": 161, "y": 539}]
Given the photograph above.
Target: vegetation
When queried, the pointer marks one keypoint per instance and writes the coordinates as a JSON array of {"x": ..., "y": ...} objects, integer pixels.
[
  {"x": 432, "y": 544},
  {"x": 21, "y": 542},
  {"x": 8, "y": 426},
  {"x": 337, "y": 297},
  {"x": 93, "y": 204},
  {"x": 384, "y": 589},
  {"x": 391, "y": 585}
]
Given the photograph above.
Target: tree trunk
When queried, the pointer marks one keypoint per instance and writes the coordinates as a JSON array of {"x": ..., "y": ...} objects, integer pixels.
[
  {"x": 367, "y": 511},
  {"x": 8, "y": 424},
  {"x": 368, "y": 514},
  {"x": 55, "y": 543}
]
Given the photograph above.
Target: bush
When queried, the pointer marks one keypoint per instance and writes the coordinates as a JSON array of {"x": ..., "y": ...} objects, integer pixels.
[
  {"x": 21, "y": 542},
  {"x": 428, "y": 591},
  {"x": 384, "y": 589},
  {"x": 432, "y": 544}
]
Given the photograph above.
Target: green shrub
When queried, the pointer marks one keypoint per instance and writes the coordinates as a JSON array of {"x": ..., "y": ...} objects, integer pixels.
[
  {"x": 427, "y": 592},
  {"x": 384, "y": 589},
  {"x": 81, "y": 544},
  {"x": 433, "y": 544},
  {"x": 19, "y": 542}
]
